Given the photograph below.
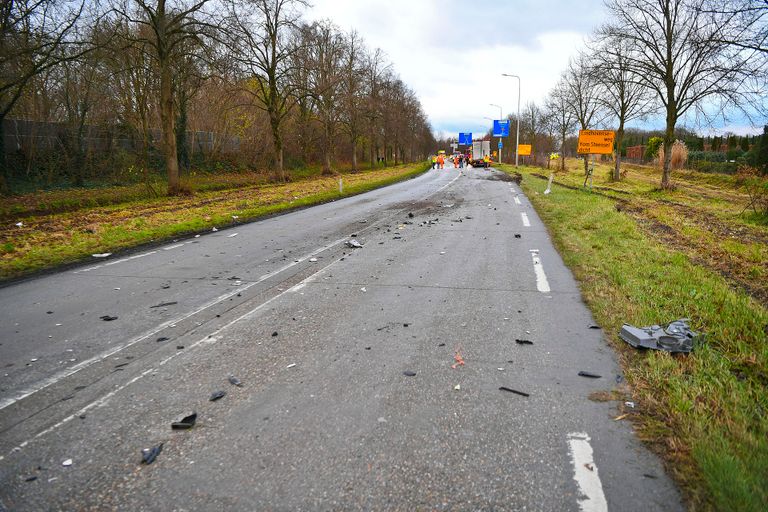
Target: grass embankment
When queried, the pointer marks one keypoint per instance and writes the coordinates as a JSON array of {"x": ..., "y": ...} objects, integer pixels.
[
  {"x": 46, "y": 240},
  {"x": 706, "y": 413}
]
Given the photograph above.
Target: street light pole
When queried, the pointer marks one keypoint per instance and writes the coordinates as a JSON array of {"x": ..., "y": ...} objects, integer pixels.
[
  {"x": 517, "y": 143},
  {"x": 500, "y": 118}
]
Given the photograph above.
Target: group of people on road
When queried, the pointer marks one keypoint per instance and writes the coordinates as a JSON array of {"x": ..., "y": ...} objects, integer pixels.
[{"x": 459, "y": 161}]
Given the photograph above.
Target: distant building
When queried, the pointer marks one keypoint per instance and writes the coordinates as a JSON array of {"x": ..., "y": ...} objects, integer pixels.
[{"x": 635, "y": 152}]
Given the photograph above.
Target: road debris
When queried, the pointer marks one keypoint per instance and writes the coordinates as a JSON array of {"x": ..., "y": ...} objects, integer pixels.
[
  {"x": 216, "y": 395},
  {"x": 589, "y": 375},
  {"x": 67, "y": 463},
  {"x": 185, "y": 423},
  {"x": 631, "y": 405},
  {"x": 593, "y": 326},
  {"x": 621, "y": 417},
  {"x": 274, "y": 334},
  {"x": 510, "y": 390},
  {"x": 459, "y": 360},
  {"x": 162, "y": 338},
  {"x": 677, "y": 336},
  {"x": 518, "y": 235},
  {"x": 235, "y": 381},
  {"x": 233, "y": 235},
  {"x": 363, "y": 289},
  {"x": 148, "y": 455},
  {"x": 19, "y": 224},
  {"x": 108, "y": 318},
  {"x": 312, "y": 260},
  {"x": 102, "y": 255},
  {"x": 523, "y": 342},
  {"x": 163, "y": 304},
  {"x": 457, "y": 387},
  {"x": 409, "y": 373},
  {"x": 30, "y": 478},
  {"x": 354, "y": 244},
  {"x": 290, "y": 366}
]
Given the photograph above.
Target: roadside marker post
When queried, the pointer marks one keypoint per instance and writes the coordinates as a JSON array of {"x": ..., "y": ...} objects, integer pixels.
[{"x": 341, "y": 186}]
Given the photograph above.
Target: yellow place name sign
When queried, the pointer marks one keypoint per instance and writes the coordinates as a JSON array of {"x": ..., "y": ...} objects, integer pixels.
[
  {"x": 524, "y": 150},
  {"x": 598, "y": 142}
]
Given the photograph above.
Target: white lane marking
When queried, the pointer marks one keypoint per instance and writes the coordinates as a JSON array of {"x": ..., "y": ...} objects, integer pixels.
[
  {"x": 233, "y": 235},
  {"x": 541, "y": 278},
  {"x": 586, "y": 474},
  {"x": 115, "y": 262},
  {"x": 517, "y": 200},
  {"x": 39, "y": 386},
  {"x": 206, "y": 340},
  {"x": 526, "y": 221},
  {"x": 444, "y": 186},
  {"x": 173, "y": 247}
]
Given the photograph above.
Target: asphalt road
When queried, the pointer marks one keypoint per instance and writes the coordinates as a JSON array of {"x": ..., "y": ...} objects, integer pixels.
[{"x": 348, "y": 398}]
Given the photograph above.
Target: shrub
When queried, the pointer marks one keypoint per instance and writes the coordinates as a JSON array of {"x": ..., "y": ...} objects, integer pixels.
[{"x": 679, "y": 155}]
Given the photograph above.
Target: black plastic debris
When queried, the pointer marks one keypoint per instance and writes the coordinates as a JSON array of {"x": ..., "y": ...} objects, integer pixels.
[
  {"x": 589, "y": 375},
  {"x": 510, "y": 390},
  {"x": 441, "y": 344},
  {"x": 518, "y": 235},
  {"x": 594, "y": 326},
  {"x": 235, "y": 381},
  {"x": 354, "y": 244},
  {"x": 30, "y": 478},
  {"x": 677, "y": 336},
  {"x": 163, "y": 304},
  {"x": 216, "y": 395},
  {"x": 410, "y": 215},
  {"x": 148, "y": 455},
  {"x": 108, "y": 318},
  {"x": 162, "y": 338},
  {"x": 274, "y": 334},
  {"x": 121, "y": 365},
  {"x": 186, "y": 422},
  {"x": 523, "y": 342},
  {"x": 409, "y": 373}
]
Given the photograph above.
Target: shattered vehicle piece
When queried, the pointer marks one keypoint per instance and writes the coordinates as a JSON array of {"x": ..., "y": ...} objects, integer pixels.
[
  {"x": 148, "y": 455},
  {"x": 186, "y": 422},
  {"x": 677, "y": 336},
  {"x": 354, "y": 244}
]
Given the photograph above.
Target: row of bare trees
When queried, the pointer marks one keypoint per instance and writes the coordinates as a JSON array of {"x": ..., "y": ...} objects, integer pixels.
[
  {"x": 291, "y": 92},
  {"x": 703, "y": 59}
]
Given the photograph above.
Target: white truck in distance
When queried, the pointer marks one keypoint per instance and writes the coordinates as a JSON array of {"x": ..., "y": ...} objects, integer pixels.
[{"x": 480, "y": 149}]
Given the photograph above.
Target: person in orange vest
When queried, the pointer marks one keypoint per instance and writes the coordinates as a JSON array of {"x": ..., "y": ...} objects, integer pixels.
[
  {"x": 440, "y": 162},
  {"x": 456, "y": 161}
]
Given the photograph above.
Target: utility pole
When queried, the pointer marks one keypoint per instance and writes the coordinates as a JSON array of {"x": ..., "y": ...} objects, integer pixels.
[{"x": 517, "y": 141}]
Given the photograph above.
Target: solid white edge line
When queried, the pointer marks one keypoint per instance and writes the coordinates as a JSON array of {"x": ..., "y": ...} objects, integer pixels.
[
  {"x": 526, "y": 220},
  {"x": 541, "y": 278},
  {"x": 586, "y": 474}
]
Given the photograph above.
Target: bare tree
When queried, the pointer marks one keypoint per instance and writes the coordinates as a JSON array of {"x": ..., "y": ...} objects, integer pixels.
[
  {"x": 170, "y": 30},
  {"x": 353, "y": 90},
  {"x": 583, "y": 95},
  {"x": 625, "y": 96},
  {"x": 677, "y": 51},
  {"x": 561, "y": 115},
  {"x": 265, "y": 48}
]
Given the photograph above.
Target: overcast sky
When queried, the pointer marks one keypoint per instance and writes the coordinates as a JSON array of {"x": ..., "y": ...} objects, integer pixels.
[{"x": 452, "y": 53}]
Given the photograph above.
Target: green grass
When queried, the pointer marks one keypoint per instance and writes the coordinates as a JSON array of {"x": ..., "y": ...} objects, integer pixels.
[{"x": 707, "y": 412}]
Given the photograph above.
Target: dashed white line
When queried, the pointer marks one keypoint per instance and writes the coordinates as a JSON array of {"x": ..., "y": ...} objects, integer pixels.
[
  {"x": 115, "y": 262},
  {"x": 541, "y": 278},
  {"x": 526, "y": 221},
  {"x": 173, "y": 247},
  {"x": 586, "y": 473},
  {"x": 517, "y": 200}
]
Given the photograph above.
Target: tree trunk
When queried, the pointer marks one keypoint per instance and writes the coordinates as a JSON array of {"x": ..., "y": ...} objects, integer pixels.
[
  {"x": 354, "y": 154},
  {"x": 669, "y": 136},
  {"x": 168, "y": 121},
  {"x": 619, "y": 140},
  {"x": 182, "y": 143},
  {"x": 5, "y": 180}
]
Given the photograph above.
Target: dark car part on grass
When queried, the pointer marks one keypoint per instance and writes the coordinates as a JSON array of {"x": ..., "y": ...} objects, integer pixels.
[
  {"x": 186, "y": 422},
  {"x": 589, "y": 375},
  {"x": 216, "y": 395},
  {"x": 235, "y": 381},
  {"x": 510, "y": 390},
  {"x": 677, "y": 336},
  {"x": 148, "y": 455},
  {"x": 523, "y": 342},
  {"x": 108, "y": 318}
]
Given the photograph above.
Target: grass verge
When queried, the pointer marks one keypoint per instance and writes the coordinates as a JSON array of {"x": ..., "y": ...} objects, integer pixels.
[
  {"x": 705, "y": 413},
  {"x": 49, "y": 240}
]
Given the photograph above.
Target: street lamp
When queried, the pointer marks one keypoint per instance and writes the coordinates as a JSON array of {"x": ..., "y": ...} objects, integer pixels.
[
  {"x": 500, "y": 118},
  {"x": 517, "y": 143}
]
